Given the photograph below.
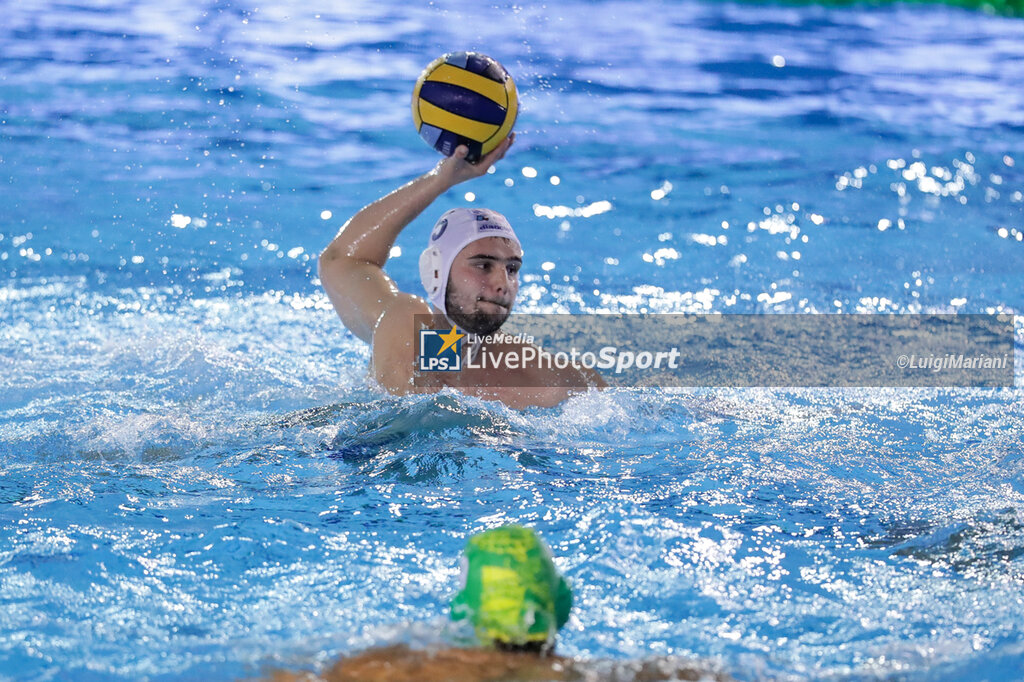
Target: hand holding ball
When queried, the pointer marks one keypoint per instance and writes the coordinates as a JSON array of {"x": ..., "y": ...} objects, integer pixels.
[{"x": 464, "y": 98}]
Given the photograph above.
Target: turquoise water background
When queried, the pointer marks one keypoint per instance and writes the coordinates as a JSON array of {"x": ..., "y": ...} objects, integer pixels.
[{"x": 196, "y": 480}]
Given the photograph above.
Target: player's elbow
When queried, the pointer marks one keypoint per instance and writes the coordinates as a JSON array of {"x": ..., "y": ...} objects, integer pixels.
[
  {"x": 322, "y": 262},
  {"x": 339, "y": 259},
  {"x": 329, "y": 255},
  {"x": 333, "y": 263}
]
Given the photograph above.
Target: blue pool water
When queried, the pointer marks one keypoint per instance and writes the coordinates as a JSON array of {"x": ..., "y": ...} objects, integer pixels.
[{"x": 197, "y": 481}]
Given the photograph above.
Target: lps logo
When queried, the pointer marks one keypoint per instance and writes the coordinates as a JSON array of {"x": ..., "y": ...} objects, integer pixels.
[{"x": 440, "y": 350}]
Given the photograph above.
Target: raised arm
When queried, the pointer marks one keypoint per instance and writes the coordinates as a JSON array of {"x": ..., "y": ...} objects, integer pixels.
[{"x": 352, "y": 265}]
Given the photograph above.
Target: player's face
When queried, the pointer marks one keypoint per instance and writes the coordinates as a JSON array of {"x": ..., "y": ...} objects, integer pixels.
[{"x": 483, "y": 284}]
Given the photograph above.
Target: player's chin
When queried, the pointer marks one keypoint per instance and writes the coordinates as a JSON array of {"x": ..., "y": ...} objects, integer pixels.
[{"x": 485, "y": 323}]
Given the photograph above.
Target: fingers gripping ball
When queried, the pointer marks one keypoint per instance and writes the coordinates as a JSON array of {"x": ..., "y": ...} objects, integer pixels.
[{"x": 464, "y": 98}]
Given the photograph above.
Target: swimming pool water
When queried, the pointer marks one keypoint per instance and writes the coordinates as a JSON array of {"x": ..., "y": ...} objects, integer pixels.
[{"x": 196, "y": 480}]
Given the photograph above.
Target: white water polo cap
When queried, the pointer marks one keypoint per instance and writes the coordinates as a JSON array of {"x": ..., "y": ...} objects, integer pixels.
[{"x": 454, "y": 231}]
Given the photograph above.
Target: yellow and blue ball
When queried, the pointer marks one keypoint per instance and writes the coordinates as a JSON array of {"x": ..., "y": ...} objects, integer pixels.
[{"x": 464, "y": 98}]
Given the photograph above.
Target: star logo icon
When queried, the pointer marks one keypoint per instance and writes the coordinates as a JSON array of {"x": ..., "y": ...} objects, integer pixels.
[{"x": 450, "y": 339}]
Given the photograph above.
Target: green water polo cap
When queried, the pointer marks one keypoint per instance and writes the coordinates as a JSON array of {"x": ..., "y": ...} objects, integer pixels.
[{"x": 512, "y": 592}]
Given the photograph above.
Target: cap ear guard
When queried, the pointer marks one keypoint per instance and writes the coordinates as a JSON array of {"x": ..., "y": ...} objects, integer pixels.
[{"x": 431, "y": 264}]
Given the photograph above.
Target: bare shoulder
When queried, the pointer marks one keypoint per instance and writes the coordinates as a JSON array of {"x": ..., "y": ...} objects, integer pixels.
[
  {"x": 402, "y": 664},
  {"x": 394, "y": 342},
  {"x": 401, "y": 311}
]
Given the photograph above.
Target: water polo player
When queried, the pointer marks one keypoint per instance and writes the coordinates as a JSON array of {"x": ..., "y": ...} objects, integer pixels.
[
  {"x": 470, "y": 270},
  {"x": 510, "y": 606}
]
